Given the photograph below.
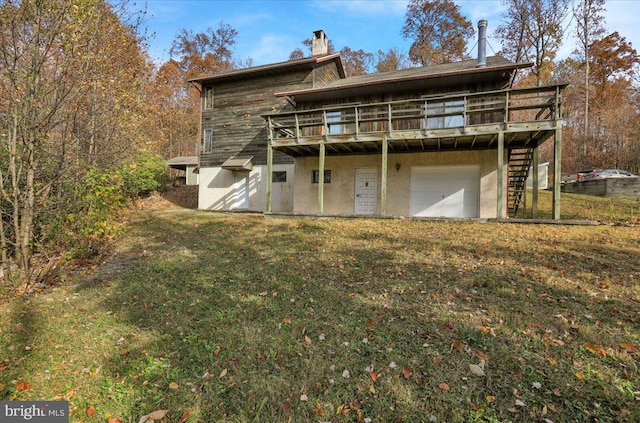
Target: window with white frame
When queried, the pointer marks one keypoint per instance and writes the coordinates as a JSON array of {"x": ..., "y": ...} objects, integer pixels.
[
  {"x": 445, "y": 114},
  {"x": 207, "y": 141},
  {"x": 208, "y": 97}
]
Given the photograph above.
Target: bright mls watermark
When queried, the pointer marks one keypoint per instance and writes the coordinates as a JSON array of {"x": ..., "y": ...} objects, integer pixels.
[{"x": 34, "y": 411}]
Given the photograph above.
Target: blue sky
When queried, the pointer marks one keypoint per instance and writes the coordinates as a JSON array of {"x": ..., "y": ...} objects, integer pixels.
[{"x": 268, "y": 30}]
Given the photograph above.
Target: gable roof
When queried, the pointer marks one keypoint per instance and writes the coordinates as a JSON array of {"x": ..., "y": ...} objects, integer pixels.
[
  {"x": 272, "y": 69},
  {"x": 497, "y": 68}
]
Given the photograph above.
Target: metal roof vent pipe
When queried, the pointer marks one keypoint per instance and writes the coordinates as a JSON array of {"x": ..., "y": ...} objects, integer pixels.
[
  {"x": 319, "y": 44},
  {"x": 482, "y": 44}
]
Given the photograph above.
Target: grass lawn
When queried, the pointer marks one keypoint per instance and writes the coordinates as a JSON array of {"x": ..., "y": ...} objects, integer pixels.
[{"x": 234, "y": 318}]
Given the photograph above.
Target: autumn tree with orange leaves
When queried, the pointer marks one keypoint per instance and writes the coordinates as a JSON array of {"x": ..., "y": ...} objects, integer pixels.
[
  {"x": 71, "y": 77},
  {"x": 438, "y": 30},
  {"x": 613, "y": 118}
]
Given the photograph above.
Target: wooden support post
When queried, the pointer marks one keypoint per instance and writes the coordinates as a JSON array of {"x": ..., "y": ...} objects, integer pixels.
[
  {"x": 535, "y": 183},
  {"x": 269, "y": 166},
  {"x": 383, "y": 177},
  {"x": 501, "y": 185},
  {"x": 321, "y": 179},
  {"x": 557, "y": 170}
]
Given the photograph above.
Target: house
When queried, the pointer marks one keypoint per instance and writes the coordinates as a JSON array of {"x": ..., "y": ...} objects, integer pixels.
[{"x": 300, "y": 137}]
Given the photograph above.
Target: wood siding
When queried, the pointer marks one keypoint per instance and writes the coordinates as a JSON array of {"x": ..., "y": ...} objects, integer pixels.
[
  {"x": 325, "y": 74},
  {"x": 235, "y": 119}
]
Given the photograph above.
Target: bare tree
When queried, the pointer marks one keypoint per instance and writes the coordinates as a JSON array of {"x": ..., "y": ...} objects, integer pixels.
[
  {"x": 533, "y": 32},
  {"x": 205, "y": 52},
  {"x": 356, "y": 62},
  {"x": 438, "y": 30},
  {"x": 589, "y": 25},
  {"x": 69, "y": 73},
  {"x": 392, "y": 59}
]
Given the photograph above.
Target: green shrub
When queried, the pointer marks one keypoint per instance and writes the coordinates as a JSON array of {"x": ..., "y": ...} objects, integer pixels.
[
  {"x": 147, "y": 174},
  {"x": 80, "y": 226}
]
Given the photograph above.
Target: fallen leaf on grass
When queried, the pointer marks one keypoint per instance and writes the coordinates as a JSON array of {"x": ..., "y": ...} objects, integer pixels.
[
  {"x": 91, "y": 411},
  {"x": 444, "y": 387},
  {"x": 173, "y": 385},
  {"x": 22, "y": 386},
  {"x": 114, "y": 420},
  {"x": 184, "y": 417},
  {"x": 490, "y": 398},
  {"x": 481, "y": 354},
  {"x": 628, "y": 347},
  {"x": 318, "y": 410},
  {"x": 152, "y": 417},
  {"x": 223, "y": 373},
  {"x": 286, "y": 410},
  {"x": 595, "y": 349},
  {"x": 373, "y": 376},
  {"x": 406, "y": 373},
  {"x": 476, "y": 370},
  {"x": 286, "y": 320}
]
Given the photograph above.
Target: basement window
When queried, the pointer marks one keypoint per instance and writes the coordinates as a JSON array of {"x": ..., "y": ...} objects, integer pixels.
[
  {"x": 279, "y": 176},
  {"x": 316, "y": 177}
]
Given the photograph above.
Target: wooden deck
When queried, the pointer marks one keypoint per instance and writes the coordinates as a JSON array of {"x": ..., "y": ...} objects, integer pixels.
[
  {"x": 502, "y": 120},
  {"x": 525, "y": 117}
]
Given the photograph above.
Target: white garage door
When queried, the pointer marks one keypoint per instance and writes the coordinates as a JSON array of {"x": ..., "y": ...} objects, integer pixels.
[{"x": 445, "y": 191}]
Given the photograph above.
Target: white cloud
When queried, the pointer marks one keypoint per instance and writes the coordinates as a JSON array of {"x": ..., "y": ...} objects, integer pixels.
[{"x": 272, "y": 48}]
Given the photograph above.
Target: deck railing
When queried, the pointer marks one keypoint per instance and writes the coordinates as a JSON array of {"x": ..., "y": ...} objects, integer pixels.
[{"x": 422, "y": 114}]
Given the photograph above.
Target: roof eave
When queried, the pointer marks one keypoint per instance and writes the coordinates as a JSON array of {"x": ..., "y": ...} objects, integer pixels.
[
  {"x": 302, "y": 63},
  {"x": 486, "y": 69}
]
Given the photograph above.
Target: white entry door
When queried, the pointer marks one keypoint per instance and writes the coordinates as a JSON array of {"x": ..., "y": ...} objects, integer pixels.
[
  {"x": 366, "y": 191},
  {"x": 241, "y": 191},
  {"x": 445, "y": 191}
]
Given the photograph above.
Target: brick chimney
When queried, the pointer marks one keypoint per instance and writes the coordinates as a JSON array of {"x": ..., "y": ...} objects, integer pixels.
[{"x": 319, "y": 43}]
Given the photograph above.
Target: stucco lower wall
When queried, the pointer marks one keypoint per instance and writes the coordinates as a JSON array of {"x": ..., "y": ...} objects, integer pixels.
[
  {"x": 222, "y": 189},
  {"x": 339, "y": 195}
]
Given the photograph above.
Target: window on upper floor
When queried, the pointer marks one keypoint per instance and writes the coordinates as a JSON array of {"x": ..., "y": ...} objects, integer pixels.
[
  {"x": 207, "y": 141},
  {"x": 208, "y": 97},
  {"x": 445, "y": 114}
]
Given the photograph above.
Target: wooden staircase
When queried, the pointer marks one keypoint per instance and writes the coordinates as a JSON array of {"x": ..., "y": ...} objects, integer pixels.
[{"x": 518, "y": 171}]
